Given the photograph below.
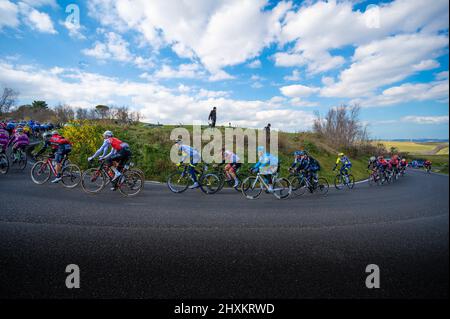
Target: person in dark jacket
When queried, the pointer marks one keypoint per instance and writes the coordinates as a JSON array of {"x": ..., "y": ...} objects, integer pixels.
[{"x": 213, "y": 117}]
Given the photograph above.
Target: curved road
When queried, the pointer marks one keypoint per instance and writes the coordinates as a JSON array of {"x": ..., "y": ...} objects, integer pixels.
[{"x": 163, "y": 245}]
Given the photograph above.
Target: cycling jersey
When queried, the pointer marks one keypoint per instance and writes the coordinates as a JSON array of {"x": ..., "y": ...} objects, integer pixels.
[
  {"x": 343, "y": 160},
  {"x": 20, "y": 140},
  {"x": 115, "y": 144},
  {"x": 191, "y": 153},
  {"x": 4, "y": 138},
  {"x": 267, "y": 164},
  {"x": 230, "y": 157}
]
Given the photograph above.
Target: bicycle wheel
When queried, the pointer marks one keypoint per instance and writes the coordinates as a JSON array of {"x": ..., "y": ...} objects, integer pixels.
[
  {"x": 252, "y": 187},
  {"x": 179, "y": 181},
  {"x": 4, "y": 164},
  {"x": 338, "y": 182},
  {"x": 350, "y": 181},
  {"x": 209, "y": 183},
  {"x": 71, "y": 176},
  {"x": 298, "y": 184},
  {"x": 282, "y": 188},
  {"x": 322, "y": 186},
  {"x": 40, "y": 173},
  {"x": 131, "y": 183},
  {"x": 93, "y": 180},
  {"x": 22, "y": 162},
  {"x": 372, "y": 180}
]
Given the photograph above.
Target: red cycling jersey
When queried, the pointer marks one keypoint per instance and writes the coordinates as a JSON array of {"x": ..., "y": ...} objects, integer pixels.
[
  {"x": 57, "y": 140},
  {"x": 115, "y": 143}
]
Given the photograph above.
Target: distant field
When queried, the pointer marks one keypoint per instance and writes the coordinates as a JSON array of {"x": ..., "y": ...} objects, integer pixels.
[{"x": 417, "y": 148}]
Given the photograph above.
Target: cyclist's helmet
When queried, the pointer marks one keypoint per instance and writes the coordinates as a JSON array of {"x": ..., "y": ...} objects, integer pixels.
[
  {"x": 55, "y": 133},
  {"x": 46, "y": 135},
  {"x": 261, "y": 149},
  {"x": 372, "y": 159},
  {"x": 108, "y": 134},
  {"x": 299, "y": 153},
  {"x": 19, "y": 130},
  {"x": 380, "y": 158},
  {"x": 341, "y": 154},
  {"x": 178, "y": 141}
]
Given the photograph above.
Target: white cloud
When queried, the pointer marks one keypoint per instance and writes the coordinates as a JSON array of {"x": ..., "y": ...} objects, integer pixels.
[
  {"x": 154, "y": 101},
  {"x": 442, "y": 75},
  {"x": 189, "y": 71},
  {"x": 36, "y": 20},
  {"x": 385, "y": 62},
  {"x": 255, "y": 64},
  {"x": 219, "y": 33},
  {"x": 295, "y": 76},
  {"x": 437, "y": 91},
  {"x": 116, "y": 48},
  {"x": 317, "y": 28},
  {"x": 8, "y": 14},
  {"x": 425, "y": 119},
  {"x": 298, "y": 90}
]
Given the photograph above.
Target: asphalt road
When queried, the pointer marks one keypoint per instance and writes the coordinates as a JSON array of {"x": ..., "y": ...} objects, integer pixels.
[{"x": 164, "y": 245}]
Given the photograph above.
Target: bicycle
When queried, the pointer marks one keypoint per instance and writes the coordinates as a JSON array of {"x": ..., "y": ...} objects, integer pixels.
[
  {"x": 253, "y": 186},
  {"x": 18, "y": 158},
  {"x": 129, "y": 184},
  {"x": 4, "y": 162},
  {"x": 42, "y": 170},
  {"x": 344, "y": 179},
  {"x": 375, "y": 178},
  {"x": 301, "y": 182},
  {"x": 240, "y": 174},
  {"x": 179, "y": 181}
]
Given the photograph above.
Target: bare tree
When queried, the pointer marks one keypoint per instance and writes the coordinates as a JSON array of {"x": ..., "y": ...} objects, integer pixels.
[
  {"x": 64, "y": 113},
  {"x": 341, "y": 126},
  {"x": 8, "y": 100},
  {"x": 82, "y": 114}
]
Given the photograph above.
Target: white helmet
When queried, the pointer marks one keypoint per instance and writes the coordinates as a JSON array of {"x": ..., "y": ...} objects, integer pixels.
[{"x": 108, "y": 134}]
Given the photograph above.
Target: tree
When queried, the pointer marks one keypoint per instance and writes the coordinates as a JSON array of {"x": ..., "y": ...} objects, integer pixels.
[
  {"x": 102, "y": 111},
  {"x": 39, "y": 105},
  {"x": 8, "y": 100},
  {"x": 342, "y": 127},
  {"x": 82, "y": 114},
  {"x": 64, "y": 113}
]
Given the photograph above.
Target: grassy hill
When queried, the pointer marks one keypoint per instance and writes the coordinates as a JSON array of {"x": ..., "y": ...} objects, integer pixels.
[
  {"x": 151, "y": 148},
  {"x": 417, "y": 148}
]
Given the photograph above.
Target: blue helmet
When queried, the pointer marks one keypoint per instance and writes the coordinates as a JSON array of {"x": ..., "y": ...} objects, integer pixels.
[
  {"x": 299, "y": 153},
  {"x": 261, "y": 148}
]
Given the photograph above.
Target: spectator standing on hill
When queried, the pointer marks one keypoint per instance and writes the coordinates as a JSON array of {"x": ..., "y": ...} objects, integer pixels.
[
  {"x": 267, "y": 129},
  {"x": 213, "y": 117}
]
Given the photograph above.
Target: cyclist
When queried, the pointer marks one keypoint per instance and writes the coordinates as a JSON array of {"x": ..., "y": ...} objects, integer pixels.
[
  {"x": 372, "y": 163},
  {"x": 54, "y": 147},
  {"x": 393, "y": 164},
  {"x": 403, "y": 164},
  {"x": 19, "y": 141},
  {"x": 194, "y": 158},
  {"x": 63, "y": 147},
  {"x": 311, "y": 166},
  {"x": 345, "y": 164},
  {"x": 233, "y": 164},
  {"x": 427, "y": 164},
  {"x": 117, "y": 157},
  {"x": 267, "y": 165},
  {"x": 382, "y": 165},
  {"x": 4, "y": 137}
]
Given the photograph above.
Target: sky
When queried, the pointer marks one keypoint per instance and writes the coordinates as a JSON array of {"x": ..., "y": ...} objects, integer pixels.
[{"x": 257, "y": 61}]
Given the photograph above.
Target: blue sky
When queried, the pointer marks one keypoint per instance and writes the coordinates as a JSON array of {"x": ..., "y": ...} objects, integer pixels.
[{"x": 257, "y": 61}]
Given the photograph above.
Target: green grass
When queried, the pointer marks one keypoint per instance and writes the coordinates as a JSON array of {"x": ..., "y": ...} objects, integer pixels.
[
  {"x": 416, "y": 148},
  {"x": 151, "y": 149}
]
